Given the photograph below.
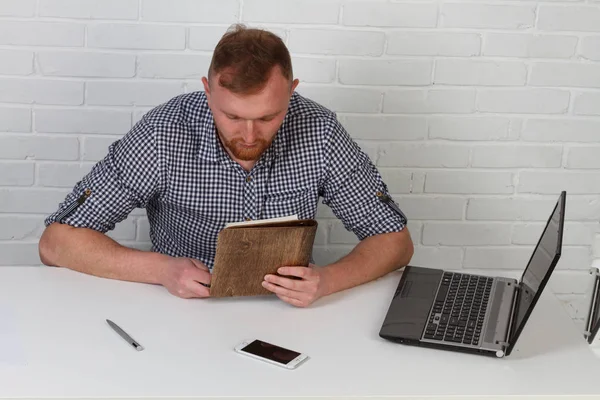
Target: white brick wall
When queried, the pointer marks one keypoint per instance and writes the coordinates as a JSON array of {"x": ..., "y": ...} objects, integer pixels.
[
  {"x": 16, "y": 173},
  {"x": 211, "y": 11},
  {"x": 392, "y": 15},
  {"x": 385, "y": 72},
  {"x": 323, "y": 41},
  {"x": 590, "y": 48},
  {"x": 38, "y": 147},
  {"x": 41, "y": 33},
  {"x": 49, "y": 120},
  {"x": 557, "y": 74},
  {"x": 488, "y": 16},
  {"x": 17, "y": 8},
  {"x": 41, "y": 91},
  {"x": 529, "y": 101},
  {"x": 587, "y": 104},
  {"x": 476, "y": 113},
  {"x": 86, "y": 64},
  {"x": 132, "y": 36},
  {"x": 172, "y": 66},
  {"x": 119, "y": 93},
  {"x": 510, "y": 155},
  {"x": 528, "y": 45},
  {"x": 15, "y": 119},
  {"x": 16, "y": 62},
  {"x": 434, "y": 44},
  {"x": 469, "y": 128},
  {"x": 480, "y": 73},
  {"x": 89, "y": 9},
  {"x": 429, "y": 101},
  {"x": 561, "y": 130},
  {"x": 424, "y": 155},
  {"x": 51, "y": 174},
  {"x": 573, "y": 17},
  {"x": 293, "y": 12}
]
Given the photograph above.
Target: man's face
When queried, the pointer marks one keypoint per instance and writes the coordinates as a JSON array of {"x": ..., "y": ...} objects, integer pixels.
[{"x": 247, "y": 124}]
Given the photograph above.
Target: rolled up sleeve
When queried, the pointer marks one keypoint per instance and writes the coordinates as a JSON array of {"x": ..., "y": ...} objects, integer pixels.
[
  {"x": 352, "y": 187},
  {"x": 128, "y": 177}
]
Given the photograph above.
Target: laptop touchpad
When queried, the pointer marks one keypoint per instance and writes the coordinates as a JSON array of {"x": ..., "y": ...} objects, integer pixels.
[{"x": 422, "y": 289}]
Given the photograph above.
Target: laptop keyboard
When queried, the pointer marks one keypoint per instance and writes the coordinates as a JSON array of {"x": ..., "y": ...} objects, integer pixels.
[{"x": 459, "y": 309}]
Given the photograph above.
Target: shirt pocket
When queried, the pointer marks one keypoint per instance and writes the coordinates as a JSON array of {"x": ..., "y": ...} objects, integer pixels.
[{"x": 300, "y": 202}]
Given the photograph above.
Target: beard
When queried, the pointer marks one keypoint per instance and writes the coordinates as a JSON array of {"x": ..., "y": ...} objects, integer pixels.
[{"x": 245, "y": 153}]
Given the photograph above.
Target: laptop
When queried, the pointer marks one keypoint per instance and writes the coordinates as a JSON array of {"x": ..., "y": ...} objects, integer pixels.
[
  {"x": 472, "y": 313},
  {"x": 592, "y": 322}
]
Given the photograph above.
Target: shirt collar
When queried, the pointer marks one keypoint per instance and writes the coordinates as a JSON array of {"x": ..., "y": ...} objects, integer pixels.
[{"x": 208, "y": 143}]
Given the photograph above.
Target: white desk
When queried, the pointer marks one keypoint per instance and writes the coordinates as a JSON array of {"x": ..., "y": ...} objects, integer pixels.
[{"x": 71, "y": 351}]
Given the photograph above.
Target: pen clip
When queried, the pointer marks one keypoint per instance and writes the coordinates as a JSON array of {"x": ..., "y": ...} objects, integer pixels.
[
  {"x": 73, "y": 206},
  {"x": 388, "y": 200},
  {"x": 84, "y": 196},
  {"x": 137, "y": 346}
]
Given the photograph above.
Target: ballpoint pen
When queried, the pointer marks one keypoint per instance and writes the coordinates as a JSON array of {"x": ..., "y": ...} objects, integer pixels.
[
  {"x": 73, "y": 206},
  {"x": 125, "y": 336},
  {"x": 388, "y": 200}
]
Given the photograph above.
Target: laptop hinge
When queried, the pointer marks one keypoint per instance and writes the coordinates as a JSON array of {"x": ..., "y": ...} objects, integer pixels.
[
  {"x": 513, "y": 307},
  {"x": 593, "y": 302}
]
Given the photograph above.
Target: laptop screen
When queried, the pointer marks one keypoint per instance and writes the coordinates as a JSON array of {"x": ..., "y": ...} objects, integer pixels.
[{"x": 540, "y": 266}]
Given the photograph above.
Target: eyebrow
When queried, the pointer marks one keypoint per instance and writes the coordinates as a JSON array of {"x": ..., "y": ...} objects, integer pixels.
[{"x": 263, "y": 117}]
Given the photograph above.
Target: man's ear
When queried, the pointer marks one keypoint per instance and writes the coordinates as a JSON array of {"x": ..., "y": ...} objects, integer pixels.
[
  {"x": 206, "y": 86},
  {"x": 294, "y": 85}
]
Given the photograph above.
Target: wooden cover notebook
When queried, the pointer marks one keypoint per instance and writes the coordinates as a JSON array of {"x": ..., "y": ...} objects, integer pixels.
[{"x": 248, "y": 252}]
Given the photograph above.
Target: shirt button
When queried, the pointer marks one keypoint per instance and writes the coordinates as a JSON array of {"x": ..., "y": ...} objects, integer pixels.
[
  {"x": 248, "y": 219},
  {"x": 248, "y": 178}
]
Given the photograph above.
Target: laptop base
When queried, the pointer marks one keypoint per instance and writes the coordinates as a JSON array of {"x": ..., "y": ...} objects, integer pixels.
[
  {"x": 453, "y": 311},
  {"x": 447, "y": 347}
]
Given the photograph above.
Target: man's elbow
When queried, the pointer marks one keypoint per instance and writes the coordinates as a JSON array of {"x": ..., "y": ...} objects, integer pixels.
[
  {"x": 408, "y": 248},
  {"x": 48, "y": 244}
]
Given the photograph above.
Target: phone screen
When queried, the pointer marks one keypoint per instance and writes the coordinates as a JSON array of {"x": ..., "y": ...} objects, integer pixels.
[{"x": 270, "y": 351}]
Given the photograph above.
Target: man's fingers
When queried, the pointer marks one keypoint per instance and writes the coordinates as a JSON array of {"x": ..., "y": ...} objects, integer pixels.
[
  {"x": 198, "y": 275},
  {"x": 280, "y": 290},
  {"x": 291, "y": 300},
  {"x": 201, "y": 274},
  {"x": 199, "y": 264},
  {"x": 292, "y": 284},
  {"x": 183, "y": 293},
  {"x": 300, "y": 272},
  {"x": 301, "y": 298},
  {"x": 190, "y": 290},
  {"x": 197, "y": 289}
]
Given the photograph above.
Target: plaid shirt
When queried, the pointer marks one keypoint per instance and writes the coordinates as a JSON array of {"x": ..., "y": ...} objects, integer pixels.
[{"x": 172, "y": 164}]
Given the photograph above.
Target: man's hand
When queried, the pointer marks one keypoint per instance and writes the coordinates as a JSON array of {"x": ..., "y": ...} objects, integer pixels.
[
  {"x": 298, "y": 292},
  {"x": 184, "y": 277}
]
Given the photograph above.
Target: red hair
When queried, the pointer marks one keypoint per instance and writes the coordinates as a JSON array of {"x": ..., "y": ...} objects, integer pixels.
[{"x": 245, "y": 58}]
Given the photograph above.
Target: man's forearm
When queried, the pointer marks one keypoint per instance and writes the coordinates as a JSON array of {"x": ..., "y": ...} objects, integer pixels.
[
  {"x": 372, "y": 258},
  {"x": 88, "y": 251}
]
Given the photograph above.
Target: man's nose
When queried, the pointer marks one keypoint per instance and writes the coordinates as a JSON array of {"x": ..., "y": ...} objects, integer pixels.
[{"x": 250, "y": 134}]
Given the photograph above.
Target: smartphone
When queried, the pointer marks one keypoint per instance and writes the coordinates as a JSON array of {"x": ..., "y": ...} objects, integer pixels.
[{"x": 271, "y": 353}]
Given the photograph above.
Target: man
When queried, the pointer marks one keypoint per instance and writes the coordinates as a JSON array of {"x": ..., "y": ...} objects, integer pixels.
[{"x": 248, "y": 147}]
